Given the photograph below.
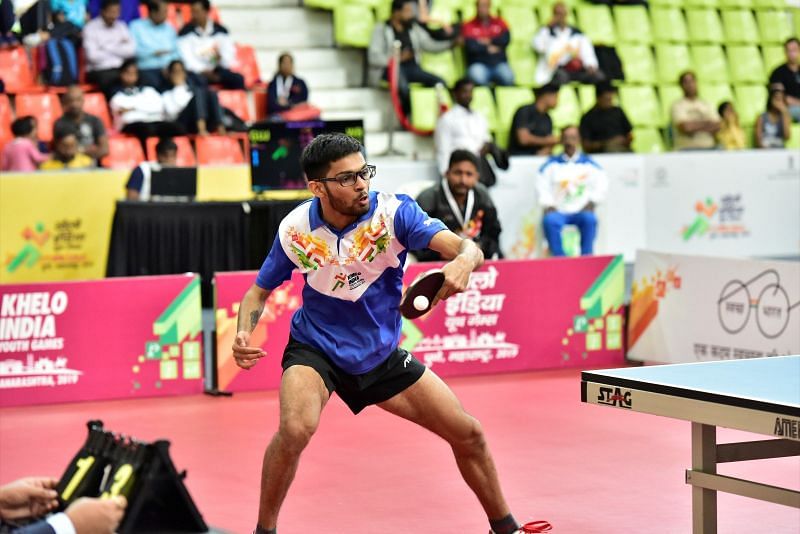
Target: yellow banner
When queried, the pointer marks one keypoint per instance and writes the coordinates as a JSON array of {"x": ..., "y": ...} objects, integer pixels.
[{"x": 56, "y": 226}]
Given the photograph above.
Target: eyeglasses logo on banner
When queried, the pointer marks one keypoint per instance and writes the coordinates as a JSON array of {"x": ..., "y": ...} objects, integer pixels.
[{"x": 772, "y": 305}]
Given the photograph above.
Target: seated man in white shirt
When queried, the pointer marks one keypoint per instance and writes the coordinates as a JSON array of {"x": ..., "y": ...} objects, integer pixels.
[
  {"x": 569, "y": 186},
  {"x": 138, "y": 186},
  {"x": 460, "y": 127},
  {"x": 207, "y": 49}
]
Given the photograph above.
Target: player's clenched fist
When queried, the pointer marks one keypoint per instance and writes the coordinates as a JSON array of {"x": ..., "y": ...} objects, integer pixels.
[{"x": 246, "y": 356}]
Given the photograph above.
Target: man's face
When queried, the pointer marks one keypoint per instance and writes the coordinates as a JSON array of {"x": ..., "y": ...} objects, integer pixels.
[
  {"x": 606, "y": 100},
  {"x": 286, "y": 66},
  {"x": 462, "y": 177},
  {"x": 111, "y": 14},
  {"x": 158, "y": 14},
  {"x": 559, "y": 14},
  {"x": 550, "y": 100},
  {"x": 484, "y": 8},
  {"x": 792, "y": 52},
  {"x": 463, "y": 96},
  {"x": 73, "y": 102},
  {"x": 199, "y": 15},
  {"x": 407, "y": 14},
  {"x": 130, "y": 76},
  {"x": 168, "y": 158},
  {"x": 349, "y": 200},
  {"x": 66, "y": 148},
  {"x": 570, "y": 138},
  {"x": 689, "y": 85}
]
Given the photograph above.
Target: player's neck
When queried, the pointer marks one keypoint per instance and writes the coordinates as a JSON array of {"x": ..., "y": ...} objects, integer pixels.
[{"x": 333, "y": 218}]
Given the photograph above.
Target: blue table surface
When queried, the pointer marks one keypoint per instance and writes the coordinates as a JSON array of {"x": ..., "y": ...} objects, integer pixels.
[{"x": 775, "y": 380}]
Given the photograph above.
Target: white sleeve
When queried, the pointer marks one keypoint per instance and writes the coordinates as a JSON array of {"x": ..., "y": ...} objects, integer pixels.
[
  {"x": 544, "y": 188},
  {"x": 227, "y": 51},
  {"x": 442, "y": 141},
  {"x": 541, "y": 41},
  {"x": 61, "y": 524},
  {"x": 186, "y": 46},
  {"x": 150, "y": 101},
  {"x": 588, "y": 56}
]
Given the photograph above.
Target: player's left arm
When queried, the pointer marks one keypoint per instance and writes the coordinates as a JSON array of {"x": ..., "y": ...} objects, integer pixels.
[{"x": 464, "y": 255}]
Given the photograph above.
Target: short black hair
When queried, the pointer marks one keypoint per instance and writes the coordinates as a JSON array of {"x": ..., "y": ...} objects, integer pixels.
[
  {"x": 791, "y": 40},
  {"x": 460, "y": 84},
  {"x": 686, "y": 73},
  {"x": 546, "y": 89},
  {"x": 283, "y": 56},
  {"x": 205, "y": 4},
  {"x": 104, "y": 4},
  {"x": 23, "y": 126},
  {"x": 604, "y": 87},
  {"x": 723, "y": 106},
  {"x": 64, "y": 130},
  {"x": 324, "y": 150},
  {"x": 165, "y": 145},
  {"x": 131, "y": 61},
  {"x": 397, "y": 5},
  {"x": 459, "y": 155},
  {"x": 173, "y": 63},
  {"x": 153, "y": 5}
]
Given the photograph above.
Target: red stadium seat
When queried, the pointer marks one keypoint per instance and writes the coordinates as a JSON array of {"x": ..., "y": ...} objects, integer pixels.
[
  {"x": 6, "y": 117},
  {"x": 236, "y": 101},
  {"x": 44, "y": 106},
  {"x": 16, "y": 70},
  {"x": 247, "y": 65},
  {"x": 123, "y": 153},
  {"x": 95, "y": 104},
  {"x": 218, "y": 150},
  {"x": 185, "y": 152},
  {"x": 186, "y": 13}
]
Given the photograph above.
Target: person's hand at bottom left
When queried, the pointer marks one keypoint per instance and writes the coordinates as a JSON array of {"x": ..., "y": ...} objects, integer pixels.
[
  {"x": 97, "y": 516},
  {"x": 28, "y": 497}
]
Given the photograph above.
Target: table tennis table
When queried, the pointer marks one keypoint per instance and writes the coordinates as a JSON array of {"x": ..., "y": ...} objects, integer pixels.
[{"x": 755, "y": 395}]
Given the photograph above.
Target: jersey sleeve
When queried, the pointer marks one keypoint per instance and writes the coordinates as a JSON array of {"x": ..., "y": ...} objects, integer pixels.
[
  {"x": 135, "y": 180},
  {"x": 277, "y": 267},
  {"x": 414, "y": 228}
]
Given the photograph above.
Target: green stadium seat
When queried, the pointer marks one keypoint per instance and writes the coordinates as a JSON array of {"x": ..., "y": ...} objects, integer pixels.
[
  {"x": 568, "y": 111},
  {"x": 671, "y": 61},
  {"x": 769, "y": 4},
  {"x": 794, "y": 139},
  {"x": 320, "y": 4},
  {"x": 715, "y": 93},
  {"x": 701, "y": 4},
  {"x": 440, "y": 14},
  {"x": 668, "y": 95},
  {"x": 668, "y": 25},
  {"x": 637, "y": 63},
  {"x": 773, "y": 57},
  {"x": 424, "y": 107},
  {"x": 750, "y": 102},
  {"x": 383, "y": 10},
  {"x": 740, "y": 26},
  {"x": 746, "y": 64},
  {"x": 774, "y": 26},
  {"x": 352, "y": 25},
  {"x": 442, "y": 64},
  {"x": 710, "y": 63},
  {"x": 586, "y": 96},
  {"x": 522, "y": 23},
  {"x": 666, "y": 3},
  {"x": 632, "y": 24},
  {"x": 641, "y": 105},
  {"x": 509, "y": 100},
  {"x": 483, "y": 103},
  {"x": 596, "y": 22},
  {"x": 522, "y": 60},
  {"x": 647, "y": 141},
  {"x": 735, "y": 4},
  {"x": 704, "y": 26}
]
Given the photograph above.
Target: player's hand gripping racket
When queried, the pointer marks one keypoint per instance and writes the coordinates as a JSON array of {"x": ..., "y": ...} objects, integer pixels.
[{"x": 419, "y": 296}]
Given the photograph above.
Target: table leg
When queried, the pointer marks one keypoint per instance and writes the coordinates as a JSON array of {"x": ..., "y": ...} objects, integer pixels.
[{"x": 704, "y": 458}]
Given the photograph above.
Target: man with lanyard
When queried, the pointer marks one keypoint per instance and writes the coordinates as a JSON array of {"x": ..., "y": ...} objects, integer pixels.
[
  {"x": 463, "y": 205},
  {"x": 351, "y": 244}
]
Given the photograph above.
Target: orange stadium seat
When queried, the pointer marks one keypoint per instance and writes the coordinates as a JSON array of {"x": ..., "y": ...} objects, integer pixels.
[
  {"x": 44, "y": 106},
  {"x": 248, "y": 66},
  {"x": 236, "y": 101},
  {"x": 218, "y": 150},
  {"x": 6, "y": 117},
  {"x": 95, "y": 104},
  {"x": 123, "y": 153},
  {"x": 16, "y": 70},
  {"x": 185, "y": 152}
]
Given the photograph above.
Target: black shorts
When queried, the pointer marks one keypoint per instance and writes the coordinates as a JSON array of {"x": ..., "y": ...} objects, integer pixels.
[{"x": 399, "y": 371}]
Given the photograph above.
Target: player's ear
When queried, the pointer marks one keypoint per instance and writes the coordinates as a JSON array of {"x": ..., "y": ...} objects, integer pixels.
[{"x": 316, "y": 188}]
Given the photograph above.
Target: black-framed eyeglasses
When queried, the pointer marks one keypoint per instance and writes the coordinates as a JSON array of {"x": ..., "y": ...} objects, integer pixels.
[{"x": 349, "y": 179}]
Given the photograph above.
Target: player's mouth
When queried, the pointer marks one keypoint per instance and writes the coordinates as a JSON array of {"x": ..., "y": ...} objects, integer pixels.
[{"x": 363, "y": 200}]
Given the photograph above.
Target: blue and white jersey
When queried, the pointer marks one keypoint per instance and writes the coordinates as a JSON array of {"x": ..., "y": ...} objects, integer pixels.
[
  {"x": 568, "y": 184},
  {"x": 354, "y": 277}
]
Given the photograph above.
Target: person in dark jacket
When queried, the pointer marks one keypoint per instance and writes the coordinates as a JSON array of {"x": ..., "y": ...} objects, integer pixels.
[
  {"x": 485, "y": 41},
  {"x": 285, "y": 90}
]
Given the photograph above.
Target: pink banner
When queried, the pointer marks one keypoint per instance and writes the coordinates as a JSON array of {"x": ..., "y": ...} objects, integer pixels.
[
  {"x": 515, "y": 316},
  {"x": 97, "y": 340}
]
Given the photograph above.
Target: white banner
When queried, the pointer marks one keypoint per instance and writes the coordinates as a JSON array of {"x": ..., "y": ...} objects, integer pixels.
[{"x": 694, "y": 308}]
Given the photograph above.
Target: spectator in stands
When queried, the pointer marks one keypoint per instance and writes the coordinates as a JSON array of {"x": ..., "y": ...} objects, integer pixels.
[
  {"x": 139, "y": 110},
  {"x": 286, "y": 90},
  {"x": 195, "y": 108},
  {"x": 730, "y": 135},
  {"x": 462, "y": 128},
  {"x": 66, "y": 151},
  {"x": 21, "y": 154},
  {"x": 92, "y": 137},
  {"x": 463, "y": 204},
  {"x": 138, "y": 186},
  {"x": 788, "y": 75},
  {"x": 129, "y": 9},
  {"x": 694, "y": 121},
  {"x": 33, "y": 497},
  {"x": 565, "y": 54},
  {"x": 413, "y": 39},
  {"x": 107, "y": 43},
  {"x": 207, "y": 50},
  {"x": 532, "y": 128},
  {"x": 74, "y": 10},
  {"x": 605, "y": 127},
  {"x": 569, "y": 187},
  {"x": 773, "y": 127},
  {"x": 485, "y": 41},
  {"x": 156, "y": 44}
]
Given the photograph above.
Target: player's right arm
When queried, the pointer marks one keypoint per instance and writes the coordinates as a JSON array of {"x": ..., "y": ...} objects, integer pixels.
[{"x": 250, "y": 310}]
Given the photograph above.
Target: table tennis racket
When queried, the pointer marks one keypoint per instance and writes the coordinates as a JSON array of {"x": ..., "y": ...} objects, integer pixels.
[{"x": 418, "y": 298}]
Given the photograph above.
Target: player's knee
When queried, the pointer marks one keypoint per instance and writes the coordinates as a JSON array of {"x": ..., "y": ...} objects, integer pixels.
[
  {"x": 295, "y": 434},
  {"x": 471, "y": 438}
]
